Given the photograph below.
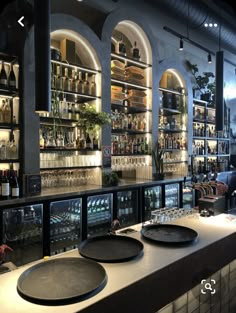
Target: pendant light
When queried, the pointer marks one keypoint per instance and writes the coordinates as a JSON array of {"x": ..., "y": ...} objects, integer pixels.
[
  {"x": 42, "y": 27},
  {"x": 209, "y": 60},
  {"x": 181, "y": 44}
]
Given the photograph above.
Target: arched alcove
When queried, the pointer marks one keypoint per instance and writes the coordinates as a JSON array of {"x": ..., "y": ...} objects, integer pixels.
[
  {"x": 77, "y": 39},
  {"x": 131, "y": 100},
  {"x": 174, "y": 124}
]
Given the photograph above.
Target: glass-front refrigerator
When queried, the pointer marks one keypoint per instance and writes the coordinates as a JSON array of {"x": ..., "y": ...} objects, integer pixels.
[
  {"x": 172, "y": 195},
  {"x": 100, "y": 217},
  {"x": 127, "y": 210},
  {"x": 22, "y": 231},
  {"x": 152, "y": 201},
  {"x": 65, "y": 225},
  {"x": 188, "y": 197}
]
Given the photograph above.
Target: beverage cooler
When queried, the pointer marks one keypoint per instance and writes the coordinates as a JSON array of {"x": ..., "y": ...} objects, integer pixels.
[
  {"x": 127, "y": 207},
  {"x": 99, "y": 214},
  {"x": 22, "y": 231},
  {"x": 188, "y": 197},
  {"x": 172, "y": 195},
  {"x": 65, "y": 225},
  {"x": 152, "y": 201}
]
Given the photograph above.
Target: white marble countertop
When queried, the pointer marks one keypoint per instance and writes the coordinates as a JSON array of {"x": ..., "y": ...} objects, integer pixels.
[{"x": 121, "y": 276}]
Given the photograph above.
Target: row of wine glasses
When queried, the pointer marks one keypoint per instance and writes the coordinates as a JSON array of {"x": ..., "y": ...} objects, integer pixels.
[{"x": 165, "y": 215}]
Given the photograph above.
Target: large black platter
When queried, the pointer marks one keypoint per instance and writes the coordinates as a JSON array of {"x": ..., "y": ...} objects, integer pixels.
[
  {"x": 169, "y": 234},
  {"x": 61, "y": 281},
  {"x": 111, "y": 248}
]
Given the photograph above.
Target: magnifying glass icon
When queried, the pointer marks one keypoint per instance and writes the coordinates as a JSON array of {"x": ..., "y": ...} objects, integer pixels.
[{"x": 208, "y": 286}]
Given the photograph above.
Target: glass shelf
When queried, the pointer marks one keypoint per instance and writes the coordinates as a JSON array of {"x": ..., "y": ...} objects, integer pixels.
[
  {"x": 129, "y": 60},
  {"x": 129, "y": 109},
  {"x": 128, "y": 132},
  {"x": 125, "y": 83},
  {"x": 76, "y": 66}
]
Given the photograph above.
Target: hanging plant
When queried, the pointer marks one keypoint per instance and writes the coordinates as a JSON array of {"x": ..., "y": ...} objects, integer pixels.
[{"x": 91, "y": 120}]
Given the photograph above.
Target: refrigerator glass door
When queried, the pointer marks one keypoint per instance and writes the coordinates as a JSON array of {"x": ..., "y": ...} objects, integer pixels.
[
  {"x": 152, "y": 201},
  {"x": 172, "y": 195},
  {"x": 188, "y": 197},
  {"x": 65, "y": 225},
  {"x": 127, "y": 211},
  {"x": 22, "y": 231},
  {"x": 99, "y": 214}
]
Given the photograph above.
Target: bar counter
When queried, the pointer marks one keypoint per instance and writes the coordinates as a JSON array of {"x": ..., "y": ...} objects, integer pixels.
[
  {"x": 76, "y": 191},
  {"x": 148, "y": 282}
]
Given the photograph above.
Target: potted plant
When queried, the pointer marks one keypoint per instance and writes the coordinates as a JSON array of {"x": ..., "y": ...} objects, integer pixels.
[
  {"x": 204, "y": 83},
  {"x": 157, "y": 155},
  {"x": 110, "y": 178},
  {"x": 90, "y": 120}
]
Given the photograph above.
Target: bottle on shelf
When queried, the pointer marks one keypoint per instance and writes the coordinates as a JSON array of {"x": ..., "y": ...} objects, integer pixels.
[
  {"x": 66, "y": 81},
  {"x": 73, "y": 80},
  {"x": 14, "y": 185},
  {"x": 5, "y": 186},
  {"x": 12, "y": 79},
  {"x": 95, "y": 142},
  {"x": 88, "y": 142},
  {"x": 79, "y": 84},
  {"x": 3, "y": 77},
  {"x": 6, "y": 111},
  {"x": 59, "y": 79},
  {"x": 93, "y": 86},
  {"x": 121, "y": 47},
  {"x": 135, "y": 52},
  {"x": 86, "y": 85}
]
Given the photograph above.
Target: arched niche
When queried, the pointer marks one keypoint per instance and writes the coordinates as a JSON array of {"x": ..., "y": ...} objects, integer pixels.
[
  {"x": 89, "y": 52},
  {"x": 131, "y": 32},
  {"x": 131, "y": 100},
  {"x": 85, "y": 53},
  {"x": 174, "y": 124}
]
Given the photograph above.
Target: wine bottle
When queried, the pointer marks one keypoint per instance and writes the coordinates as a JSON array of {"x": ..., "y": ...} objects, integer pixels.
[
  {"x": 59, "y": 81},
  {"x": 7, "y": 112},
  {"x": 14, "y": 185},
  {"x": 3, "y": 77},
  {"x": 136, "y": 55},
  {"x": 88, "y": 142},
  {"x": 122, "y": 47},
  {"x": 12, "y": 79},
  {"x": 5, "y": 186}
]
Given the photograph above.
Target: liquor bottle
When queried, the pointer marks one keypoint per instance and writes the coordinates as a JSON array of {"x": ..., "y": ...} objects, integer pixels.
[
  {"x": 5, "y": 186},
  {"x": 86, "y": 85},
  {"x": 59, "y": 80},
  {"x": 12, "y": 79},
  {"x": 88, "y": 142},
  {"x": 66, "y": 81},
  {"x": 3, "y": 77},
  {"x": 14, "y": 185},
  {"x": 73, "y": 80},
  {"x": 122, "y": 48},
  {"x": 79, "y": 84},
  {"x": 95, "y": 143},
  {"x": 135, "y": 52},
  {"x": 7, "y": 112},
  {"x": 93, "y": 86},
  {"x": 146, "y": 146}
]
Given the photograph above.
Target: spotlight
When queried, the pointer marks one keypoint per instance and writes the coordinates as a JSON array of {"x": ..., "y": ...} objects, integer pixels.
[
  {"x": 181, "y": 44},
  {"x": 209, "y": 58}
]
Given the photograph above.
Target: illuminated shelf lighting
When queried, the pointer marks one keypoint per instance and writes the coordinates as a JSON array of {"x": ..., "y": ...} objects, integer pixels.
[
  {"x": 129, "y": 84},
  {"x": 76, "y": 94},
  {"x": 171, "y": 91},
  {"x": 120, "y": 57},
  {"x": 76, "y": 67}
]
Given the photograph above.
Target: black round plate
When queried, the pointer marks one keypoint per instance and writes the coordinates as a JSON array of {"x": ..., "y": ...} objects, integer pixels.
[
  {"x": 61, "y": 281},
  {"x": 169, "y": 234},
  {"x": 111, "y": 248}
]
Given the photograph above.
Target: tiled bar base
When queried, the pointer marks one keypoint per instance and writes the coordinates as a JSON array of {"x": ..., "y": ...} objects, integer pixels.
[{"x": 222, "y": 301}]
